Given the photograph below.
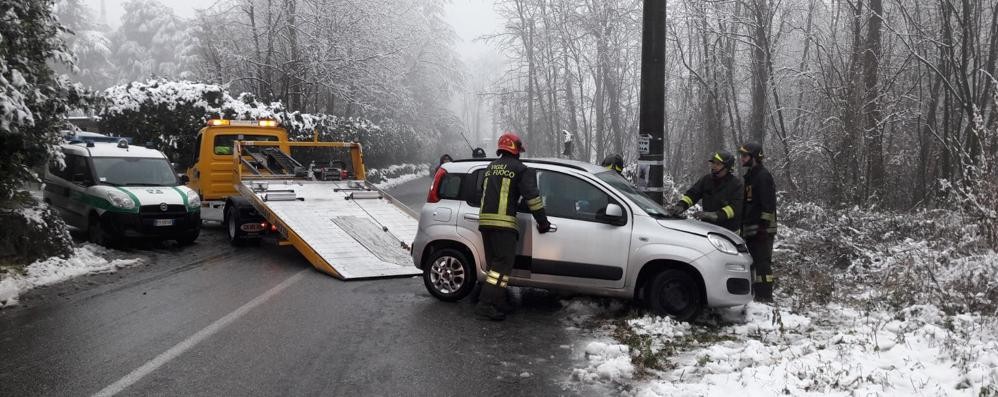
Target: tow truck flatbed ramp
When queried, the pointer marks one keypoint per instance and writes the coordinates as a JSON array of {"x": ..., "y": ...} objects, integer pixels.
[{"x": 347, "y": 229}]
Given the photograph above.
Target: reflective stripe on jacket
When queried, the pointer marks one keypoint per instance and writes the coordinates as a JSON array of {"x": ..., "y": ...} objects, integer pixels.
[{"x": 506, "y": 180}]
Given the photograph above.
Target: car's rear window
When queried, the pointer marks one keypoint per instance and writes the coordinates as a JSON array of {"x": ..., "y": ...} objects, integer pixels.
[{"x": 450, "y": 187}]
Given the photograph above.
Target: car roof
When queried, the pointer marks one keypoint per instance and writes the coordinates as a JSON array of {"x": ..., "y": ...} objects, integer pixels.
[
  {"x": 107, "y": 149},
  {"x": 466, "y": 165}
]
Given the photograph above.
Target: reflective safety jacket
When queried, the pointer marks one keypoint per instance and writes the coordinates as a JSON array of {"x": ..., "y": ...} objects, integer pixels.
[
  {"x": 760, "y": 202},
  {"x": 722, "y": 196},
  {"x": 507, "y": 179}
]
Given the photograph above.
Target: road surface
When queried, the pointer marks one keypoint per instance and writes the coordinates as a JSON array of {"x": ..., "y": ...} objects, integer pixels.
[{"x": 213, "y": 320}]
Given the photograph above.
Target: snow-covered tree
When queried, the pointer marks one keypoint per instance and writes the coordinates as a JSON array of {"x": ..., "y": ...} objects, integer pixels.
[
  {"x": 87, "y": 40},
  {"x": 152, "y": 41},
  {"x": 33, "y": 101}
]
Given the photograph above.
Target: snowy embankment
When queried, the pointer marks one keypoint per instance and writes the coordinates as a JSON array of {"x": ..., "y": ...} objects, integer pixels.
[
  {"x": 86, "y": 259},
  {"x": 868, "y": 304},
  {"x": 387, "y": 178}
]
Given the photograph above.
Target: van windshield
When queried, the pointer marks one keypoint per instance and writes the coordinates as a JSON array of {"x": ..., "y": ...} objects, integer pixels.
[
  {"x": 618, "y": 182},
  {"x": 119, "y": 171}
]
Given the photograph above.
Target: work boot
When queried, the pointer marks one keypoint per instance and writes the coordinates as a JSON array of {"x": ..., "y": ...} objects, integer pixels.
[
  {"x": 763, "y": 292},
  {"x": 488, "y": 311},
  {"x": 506, "y": 306}
]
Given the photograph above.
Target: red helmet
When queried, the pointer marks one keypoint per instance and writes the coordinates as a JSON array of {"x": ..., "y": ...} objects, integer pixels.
[{"x": 510, "y": 143}]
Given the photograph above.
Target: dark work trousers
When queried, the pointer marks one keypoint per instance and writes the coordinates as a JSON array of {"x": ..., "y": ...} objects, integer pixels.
[
  {"x": 760, "y": 247},
  {"x": 500, "y": 252}
]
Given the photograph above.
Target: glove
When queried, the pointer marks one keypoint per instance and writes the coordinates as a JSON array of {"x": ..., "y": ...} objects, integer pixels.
[
  {"x": 706, "y": 216},
  {"x": 674, "y": 210},
  {"x": 544, "y": 227}
]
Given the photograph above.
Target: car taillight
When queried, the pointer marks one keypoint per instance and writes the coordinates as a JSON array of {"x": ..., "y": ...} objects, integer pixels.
[
  {"x": 434, "y": 195},
  {"x": 344, "y": 174}
]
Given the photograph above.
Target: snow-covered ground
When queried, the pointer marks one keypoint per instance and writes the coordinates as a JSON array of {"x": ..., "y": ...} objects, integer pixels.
[
  {"x": 871, "y": 304},
  {"x": 762, "y": 350},
  {"x": 86, "y": 259}
]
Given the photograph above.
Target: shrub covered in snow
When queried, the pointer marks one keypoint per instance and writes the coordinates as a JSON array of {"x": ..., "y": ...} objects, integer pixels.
[
  {"x": 31, "y": 231},
  {"x": 170, "y": 113},
  {"x": 33, "y": 102},
  {"x": 395, "y": 175},
  {"x": 885, "y": 259}
]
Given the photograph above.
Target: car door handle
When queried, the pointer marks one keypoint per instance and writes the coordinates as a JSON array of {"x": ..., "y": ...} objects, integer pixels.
[{"x": 471, "y": 217}]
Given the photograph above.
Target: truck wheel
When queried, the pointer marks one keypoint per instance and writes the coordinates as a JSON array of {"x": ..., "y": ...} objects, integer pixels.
[
  {"x": 449, "y": 276},
  {"x": 96, "y": 233},
  {"x": 232, "y": 223},
  {"x": 676, "y": 294}
]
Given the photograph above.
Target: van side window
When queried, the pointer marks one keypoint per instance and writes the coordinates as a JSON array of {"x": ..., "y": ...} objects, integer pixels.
[
  {"x": 78, "y": 170},
  {"x": 54, "y": 169},
  {"x": 569, "y": 197}
]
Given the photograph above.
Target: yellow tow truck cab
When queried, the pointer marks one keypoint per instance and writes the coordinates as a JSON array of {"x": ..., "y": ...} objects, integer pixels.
[{"x": 213, "y": 174}]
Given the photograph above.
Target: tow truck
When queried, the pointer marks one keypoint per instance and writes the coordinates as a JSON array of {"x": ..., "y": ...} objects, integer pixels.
[{"x": 255, "y": 181}]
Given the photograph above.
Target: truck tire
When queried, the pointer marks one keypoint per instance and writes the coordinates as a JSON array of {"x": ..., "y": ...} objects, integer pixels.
[
  {"x": 232, "y": 222},
  {"x": 675, "y": 293},
  {"x": 449, "y": 275}
]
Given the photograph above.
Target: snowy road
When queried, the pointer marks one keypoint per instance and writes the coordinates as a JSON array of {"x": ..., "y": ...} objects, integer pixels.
[{"x": 212, "y": 320}]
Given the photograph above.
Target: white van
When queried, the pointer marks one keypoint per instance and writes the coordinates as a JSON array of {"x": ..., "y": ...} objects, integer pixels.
[{"x": 115, "y": 191}]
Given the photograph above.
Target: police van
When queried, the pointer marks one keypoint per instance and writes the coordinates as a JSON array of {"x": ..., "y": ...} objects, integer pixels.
[{"x": 115, "y": 191}]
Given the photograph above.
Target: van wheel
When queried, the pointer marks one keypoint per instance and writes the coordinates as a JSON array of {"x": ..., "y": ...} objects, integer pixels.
[
  {"x": 189, "y": 238},
  {"x": 232, "y": 223},
  {"x": 96, "y": 233},
  {"x": 676, "y": 294},
  {"x": 449, "y": 276}
]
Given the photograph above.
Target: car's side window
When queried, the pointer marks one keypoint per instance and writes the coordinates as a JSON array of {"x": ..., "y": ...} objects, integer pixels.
[
  {"x": 472, "y": 187},
  {"x": 566, "y": 196}
]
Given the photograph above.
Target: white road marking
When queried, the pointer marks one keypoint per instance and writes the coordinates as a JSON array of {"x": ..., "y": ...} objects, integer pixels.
[{"x": 198, "y": 337}]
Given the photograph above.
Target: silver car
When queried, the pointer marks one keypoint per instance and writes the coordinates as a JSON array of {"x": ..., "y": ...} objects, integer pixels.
[{"x": 606, "y": 239}]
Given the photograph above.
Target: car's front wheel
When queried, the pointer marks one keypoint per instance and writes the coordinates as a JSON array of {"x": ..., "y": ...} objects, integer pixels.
[
  {"x": 450, "y": 275},
  {"x": 97, "y": 235},
  {"x": 677, "y": 294}
]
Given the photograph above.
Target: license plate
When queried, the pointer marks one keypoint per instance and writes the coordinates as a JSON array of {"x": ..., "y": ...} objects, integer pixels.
[{"x": 163, "y": 222}]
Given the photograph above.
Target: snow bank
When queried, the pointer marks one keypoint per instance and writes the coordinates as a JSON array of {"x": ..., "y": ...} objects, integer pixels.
[{"x": 86, "y": 259}]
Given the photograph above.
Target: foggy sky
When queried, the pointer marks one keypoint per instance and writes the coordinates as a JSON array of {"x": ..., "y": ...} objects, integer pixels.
[{"x": 470, "y": 19}]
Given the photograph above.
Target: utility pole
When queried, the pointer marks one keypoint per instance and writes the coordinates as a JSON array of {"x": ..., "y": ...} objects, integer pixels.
[{"x": 651, "y": 128}]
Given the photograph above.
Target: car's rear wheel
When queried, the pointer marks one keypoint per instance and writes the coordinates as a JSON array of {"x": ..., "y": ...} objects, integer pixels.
[
  {"x": 449, "y": 275},
  {"x": 677, "y": 294}
]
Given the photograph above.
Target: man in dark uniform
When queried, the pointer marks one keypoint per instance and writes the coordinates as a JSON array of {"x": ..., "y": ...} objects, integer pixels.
[
  {"x": 614, "y": 162},
  {"x": 721, "y": 194},
  {"x": 759, "y": 220},
  {"x": 506, "y": 180}
]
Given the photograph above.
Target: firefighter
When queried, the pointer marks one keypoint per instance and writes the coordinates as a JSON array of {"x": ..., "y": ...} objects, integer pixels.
[
  {"x": 507, "y": 179},
  {"x": 720, "y": 192},
  {"x": 759, "y": 218},
  {"x": 614, "y": 162}
]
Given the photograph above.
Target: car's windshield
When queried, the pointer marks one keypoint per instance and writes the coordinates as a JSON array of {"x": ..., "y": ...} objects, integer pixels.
[
  {"x": 125, "y": 171},
  {"x": 646, "y": 204}
]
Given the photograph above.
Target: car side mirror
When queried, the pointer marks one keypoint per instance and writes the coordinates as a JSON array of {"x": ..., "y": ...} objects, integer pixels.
[
  {"x": 184, "y": 179},
  {"x": 613, "y": 215}
]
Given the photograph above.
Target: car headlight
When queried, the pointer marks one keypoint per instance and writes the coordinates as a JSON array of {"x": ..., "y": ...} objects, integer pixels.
[
  {"x": 120, "y": 199},
  {"x": 193, "y": 200},
  {"x": 722, "y": 244}
]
